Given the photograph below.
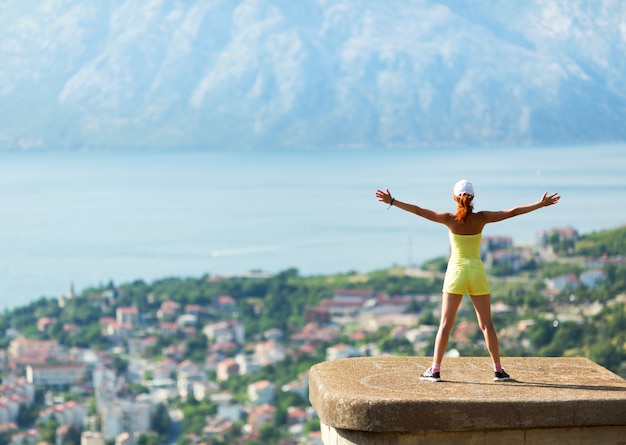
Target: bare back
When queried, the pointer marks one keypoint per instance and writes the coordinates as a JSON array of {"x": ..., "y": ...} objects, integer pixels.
[{"x": 474, "y": 224}]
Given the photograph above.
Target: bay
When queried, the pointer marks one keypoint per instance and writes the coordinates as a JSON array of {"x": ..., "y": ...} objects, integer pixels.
[{"x": 87, "y": 218}]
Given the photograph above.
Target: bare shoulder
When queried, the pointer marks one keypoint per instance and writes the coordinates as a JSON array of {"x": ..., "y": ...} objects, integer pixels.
[
  {"x": 472, "y": 225},
  {"x": 448, "y": 218},
  {"x": 482, "y": 215},
  {"x": 441, "y": 217},
  {"x": 487, "y": 216}
]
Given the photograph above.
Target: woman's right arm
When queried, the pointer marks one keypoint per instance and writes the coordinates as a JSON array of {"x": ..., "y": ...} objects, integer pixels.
[
  {"x": 440, "y": 217},
  {"x": 545, "y": 201}
]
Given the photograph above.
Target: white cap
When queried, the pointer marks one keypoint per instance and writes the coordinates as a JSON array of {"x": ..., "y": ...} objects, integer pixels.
[{"x": 463, "y": 187}]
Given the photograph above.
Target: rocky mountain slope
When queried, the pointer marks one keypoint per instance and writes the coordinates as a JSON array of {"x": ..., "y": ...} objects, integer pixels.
[{"x": 206, "y": 74}]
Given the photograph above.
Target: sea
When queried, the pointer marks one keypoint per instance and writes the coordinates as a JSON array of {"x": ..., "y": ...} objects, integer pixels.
[{"x": 75, "y": 220}]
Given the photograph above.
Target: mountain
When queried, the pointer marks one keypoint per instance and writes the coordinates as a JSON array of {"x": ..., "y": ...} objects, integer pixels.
[{"x": 207, "y": 74}]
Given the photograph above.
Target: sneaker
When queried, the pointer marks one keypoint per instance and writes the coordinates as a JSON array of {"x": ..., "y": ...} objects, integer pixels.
[
  {"x": 501, "y": 376},
  {"x": 430, "y": 376}
]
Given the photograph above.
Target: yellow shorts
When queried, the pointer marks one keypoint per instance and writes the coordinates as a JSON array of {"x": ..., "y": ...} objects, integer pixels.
[{"x": 472, "y": 279}]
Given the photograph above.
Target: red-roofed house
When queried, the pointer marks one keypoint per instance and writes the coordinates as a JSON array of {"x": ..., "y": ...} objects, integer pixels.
[
  {"x": 226, "y": 368},
  {"x": 127, "y": 315},
  {"x": 167, "y": 328},
  {"x": 317, "y": 315},
  {"x": 194, "y": 309},
  {"x": 44, "y": 322},
  {"x": 226, "y": 303},
  {"x": 262, "y": 391},
  {"x": 260, "y": 416},
  {"x": 169, "y": 309},
  {"x": 353, "y": 295},
  {"x": 296, "y": 416},
  {"x": 23, "y": 351},
  {"x": 343, "y": 308},
  {"x": 217, "y": 427}
]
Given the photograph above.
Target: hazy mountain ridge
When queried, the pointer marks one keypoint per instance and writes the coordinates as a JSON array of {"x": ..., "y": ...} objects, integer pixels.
[{"x": 279, "y": 73}]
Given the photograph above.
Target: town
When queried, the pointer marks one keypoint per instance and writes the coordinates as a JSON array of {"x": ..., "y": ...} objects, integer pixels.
[{"x": 220, "y": 360}]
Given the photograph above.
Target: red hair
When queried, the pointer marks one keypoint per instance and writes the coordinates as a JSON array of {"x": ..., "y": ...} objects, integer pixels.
[{"x": 464, "y": 207}]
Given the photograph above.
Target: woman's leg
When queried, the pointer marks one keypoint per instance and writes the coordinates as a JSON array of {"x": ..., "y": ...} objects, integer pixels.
[
  {"x": 449, "y": 305},
  {"x": 482, "y": 305}
]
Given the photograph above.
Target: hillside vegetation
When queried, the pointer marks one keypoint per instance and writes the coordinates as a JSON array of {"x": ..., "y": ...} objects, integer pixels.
[{"x": 533, "y": 318}]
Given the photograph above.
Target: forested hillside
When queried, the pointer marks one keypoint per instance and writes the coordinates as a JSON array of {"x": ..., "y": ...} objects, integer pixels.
[{"x": 566, "y": 305}]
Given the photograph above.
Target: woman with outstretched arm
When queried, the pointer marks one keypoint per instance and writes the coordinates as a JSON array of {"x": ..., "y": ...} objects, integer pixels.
[{"x": 465, "y": 272}]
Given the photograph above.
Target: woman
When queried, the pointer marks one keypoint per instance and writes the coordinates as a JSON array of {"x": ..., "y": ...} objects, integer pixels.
[{"x": 466, "y": 272}]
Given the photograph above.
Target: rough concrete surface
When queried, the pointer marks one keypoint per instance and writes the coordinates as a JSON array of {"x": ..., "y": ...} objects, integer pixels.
[
  {"x": 384, "y": 394},
  {"x": 600, "y": 435}
]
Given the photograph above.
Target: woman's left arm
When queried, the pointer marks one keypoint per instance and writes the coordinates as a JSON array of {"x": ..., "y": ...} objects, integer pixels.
[{"x": 545, "y": 201}]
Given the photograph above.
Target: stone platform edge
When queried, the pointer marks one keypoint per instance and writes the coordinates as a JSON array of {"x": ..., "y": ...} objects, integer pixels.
[{"x": 384, "y": 394}]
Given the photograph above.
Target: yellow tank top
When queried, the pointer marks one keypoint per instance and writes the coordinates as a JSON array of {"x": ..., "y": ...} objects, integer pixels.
[{"x": 465, "y": 249}]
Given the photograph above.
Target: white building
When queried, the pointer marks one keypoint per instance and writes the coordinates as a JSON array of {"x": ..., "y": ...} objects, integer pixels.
[
  {"x": 55, "y": 375},
  {"x": 189, "y": 375},
  {"x": 187, "y": 320},
  {"x": 299, "y": 386},
  {"x": 269, "y": 352},
  {"x": 102, "y": 374},
  {"x": 10, "y": 409},
  {"x": 247, "y": 364},
  {"x": 92, "y": 438},
  {"x": 4, "y": 413},
  {"x": 341, "y": 351},
  {"x": 591, "y": 278},
  {"x": 225, "y": 332},
  {"x": 562, "y": 282},
  {"x": 127, "y": 315},
  {"x": 120, "y": 416},
  {"x": 226, "y": 406},
  {"x": 226, "y": 368},
  {"x": 262, "y": 391},
  {"x": 232, "y": 412},
  {"x": 19, "y": 386},
  {"x": 68, "y": 413}
]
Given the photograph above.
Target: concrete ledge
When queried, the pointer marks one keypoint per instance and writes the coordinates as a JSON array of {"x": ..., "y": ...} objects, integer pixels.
[
  {"x": 601, "y": 435},
  {"x": 547, "y": 396}
]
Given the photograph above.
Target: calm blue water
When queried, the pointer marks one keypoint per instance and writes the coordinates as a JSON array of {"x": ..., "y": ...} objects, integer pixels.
[{"x": 88, "y": 218}]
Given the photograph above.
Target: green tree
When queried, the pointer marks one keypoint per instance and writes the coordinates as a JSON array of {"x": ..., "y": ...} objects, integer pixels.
[
  {"x": 49, "y": 430},
  {"x": 148, "y": 439},
  {"x": 26, "y": 415},
  {"x": 195, "y": 347},
  {"x": 428, "y": 318},
  {"x": 397, "y": 346},
  {"x": 89, "y": 336},
  {"x": 312, "y": 425},
  {"x": 120, "y": 364},
  {"x": 541, "y": 333},
  {"x": 160, "y": 420},
  {"x": 72, "y": 436},
  {"x": 606, "y": 242},
  {"x": 607, "y": 354},
  {"x": 195, "y": 414},
  {"x": 270, "y": 433}
]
